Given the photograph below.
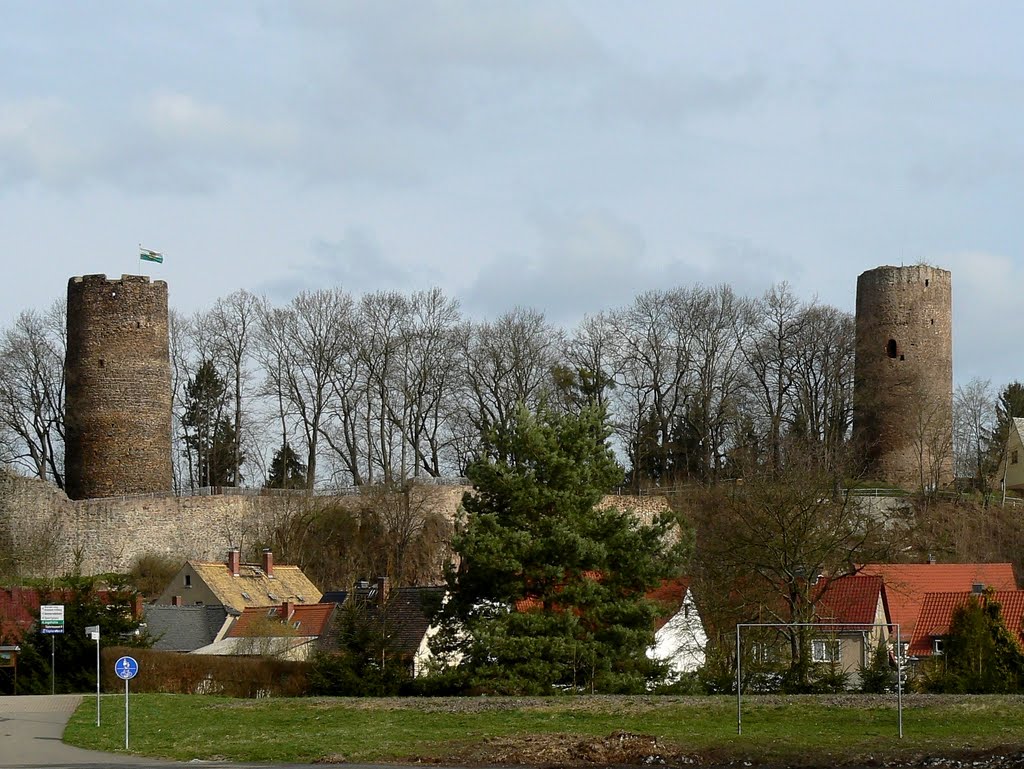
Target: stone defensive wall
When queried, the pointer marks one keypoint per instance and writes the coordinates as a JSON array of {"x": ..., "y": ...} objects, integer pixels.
[{"x": 50, "y": 534}]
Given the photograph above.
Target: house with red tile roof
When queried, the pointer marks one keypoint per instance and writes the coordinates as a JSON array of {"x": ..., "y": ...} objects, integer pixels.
[
  {"x": 290, "y": 631},
  {"x": 907, "y": 584},
  {"x": 19, "y": 607},
  {"x": 852, "y": 613},
  {"x": 937, "y": 612},
  {"x": 679, "y": 638}
]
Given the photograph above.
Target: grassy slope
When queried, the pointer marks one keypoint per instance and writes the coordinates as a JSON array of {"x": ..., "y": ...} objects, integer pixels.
[{"x": 800, "y": 730}]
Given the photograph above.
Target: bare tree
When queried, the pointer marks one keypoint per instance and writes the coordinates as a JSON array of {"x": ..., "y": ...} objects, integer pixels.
[
  {"x": 509, "y": 361},
  {"x": 823, "y": 381},
  {"x": 974, "y": 407},
  {"x": 772, "y": 326},
  {"x": 234, "y": 322},
  {"x": 32, "y": 392},
  {"x": 317, "y": 328},
  {"x": 654, "y": 365}
]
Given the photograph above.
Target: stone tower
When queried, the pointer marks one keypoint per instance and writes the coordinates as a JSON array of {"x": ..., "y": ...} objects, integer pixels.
[
  {"x": 118, "y": 404},
  {"x": 903, "y": 380}
]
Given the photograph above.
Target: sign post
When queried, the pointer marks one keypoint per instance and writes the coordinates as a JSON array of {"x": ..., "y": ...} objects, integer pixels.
[
  {"x": 93, "y": 632},
  {"x": 126, "y": 668},
  {"x": 51, "y": 622}
]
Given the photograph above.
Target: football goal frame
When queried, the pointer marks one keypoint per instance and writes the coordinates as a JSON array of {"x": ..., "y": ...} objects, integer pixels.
[{"x": 821, "y": 626}]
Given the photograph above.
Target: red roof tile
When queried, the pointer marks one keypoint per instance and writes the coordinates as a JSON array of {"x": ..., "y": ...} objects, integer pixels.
[
  {"x": 313, "y": 619},
  {"x": 906, "y": 584},
  {"x": 937, "y": 612},
  {"x": 18, "y": 609},
  {"x": 850, "y": 599}
]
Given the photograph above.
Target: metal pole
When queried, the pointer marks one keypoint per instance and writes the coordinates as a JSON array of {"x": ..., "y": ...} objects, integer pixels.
[
  {"x": 739, "y": 722},
  {"x": 899, "y": 678},
  {"x": 126, "y": 714},
  {"x": 97, "y": 679},
  {"x": 53, "y": 663}
]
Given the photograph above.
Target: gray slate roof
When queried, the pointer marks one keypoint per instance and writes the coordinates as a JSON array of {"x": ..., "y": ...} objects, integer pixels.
[{"x": 183, "y": 628}]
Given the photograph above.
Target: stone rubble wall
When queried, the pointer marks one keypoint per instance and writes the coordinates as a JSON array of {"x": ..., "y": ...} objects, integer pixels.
[{"x": 51, "y": 534}]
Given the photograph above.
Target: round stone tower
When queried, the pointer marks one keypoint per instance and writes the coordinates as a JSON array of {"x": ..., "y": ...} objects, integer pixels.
[
  {"x": 118, "y": 404},
  {"x": 903, "y": 379}
]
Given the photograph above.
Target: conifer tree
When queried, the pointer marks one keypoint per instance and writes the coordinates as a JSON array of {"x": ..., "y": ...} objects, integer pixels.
[{"x": 549, "y": 594}]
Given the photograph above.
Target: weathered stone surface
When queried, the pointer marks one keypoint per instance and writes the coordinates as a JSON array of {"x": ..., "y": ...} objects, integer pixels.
[
  {"x": 52, "y": 534},
  {"x": 903, "y": 383},
  {"x": 118, "y": 405}
]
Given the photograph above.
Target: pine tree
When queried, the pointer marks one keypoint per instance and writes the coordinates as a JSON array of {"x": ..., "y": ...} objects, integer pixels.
[
  {"x": 210, "y": 436},
  {"x": 286, "y": 471},
  {"x": 549, "y": 594}
]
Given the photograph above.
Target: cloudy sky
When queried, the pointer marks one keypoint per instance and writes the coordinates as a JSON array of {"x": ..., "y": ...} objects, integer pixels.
[{"x": 559, "y": 155}]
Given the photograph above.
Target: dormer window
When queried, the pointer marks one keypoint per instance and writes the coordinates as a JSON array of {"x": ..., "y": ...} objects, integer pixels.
[{"x": 937, "y": 646}]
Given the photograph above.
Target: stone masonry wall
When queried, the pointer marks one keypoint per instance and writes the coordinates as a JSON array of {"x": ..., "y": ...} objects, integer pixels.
[
  {"x": 903, "y": 382},
  {"x": 52, "y": 534},
  {"x": 118, "y": 410}
]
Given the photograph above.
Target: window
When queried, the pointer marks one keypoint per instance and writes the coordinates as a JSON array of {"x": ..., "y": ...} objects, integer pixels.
[
  {"x": 890, "y": 349},
  {"x": 824, "y": 650},
  {"x": 936, "y": 646},
  {"x": 188, "y": 580},
  {"x": 1013, "y": 457}
]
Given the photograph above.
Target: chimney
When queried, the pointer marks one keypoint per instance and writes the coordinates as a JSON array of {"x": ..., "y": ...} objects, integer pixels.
[
  {"x": 382, "y": 590},
  {"x": 931, "y": 558},
  {"x": 175, "y": 600},
  {"x": 268, "y": 562},
  {"x": 287, "y": 609},
  {"x": 234, "y": 561}
]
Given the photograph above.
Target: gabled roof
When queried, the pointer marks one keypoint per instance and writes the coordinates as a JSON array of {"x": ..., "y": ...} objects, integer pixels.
[
  {"x": 407, "y": 611},
  {"x": 907, "y": 584},
  {"x": 668, "y": 595},
  {"x": 252, "y": 586},
  {"x": 303, "y": 620},
  {"x": 183, "y": 628},
  {"x": 850, "y": 599},
  {"x": 937, "y": 612}
]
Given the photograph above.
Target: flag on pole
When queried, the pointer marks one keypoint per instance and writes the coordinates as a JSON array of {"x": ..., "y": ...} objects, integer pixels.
[{"x": 150, "y": 256}]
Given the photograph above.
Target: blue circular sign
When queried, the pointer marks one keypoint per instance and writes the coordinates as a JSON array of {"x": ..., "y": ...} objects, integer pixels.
[{"x": 126, "y": 667}]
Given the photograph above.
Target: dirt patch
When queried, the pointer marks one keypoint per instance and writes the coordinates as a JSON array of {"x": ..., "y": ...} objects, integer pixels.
[{"x": 548, "y": 750}]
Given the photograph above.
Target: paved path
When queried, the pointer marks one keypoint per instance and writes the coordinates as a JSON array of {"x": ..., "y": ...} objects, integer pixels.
[
  {"x": 30, "y": 734},
  {"x": 31, "y": 727}
]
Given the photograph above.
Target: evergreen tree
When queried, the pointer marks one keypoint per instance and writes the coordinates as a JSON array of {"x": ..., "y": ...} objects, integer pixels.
[
  {"x": 980, "y": 654},
  {"x": 74, "y": 653},
  {"x": 286, "y": 471},
  {"x": 210, "y": 436},
  {"x": 549, "y": 593},
  {"x": 366, "y": 661},
  {"x": 1009, "y": 406}
]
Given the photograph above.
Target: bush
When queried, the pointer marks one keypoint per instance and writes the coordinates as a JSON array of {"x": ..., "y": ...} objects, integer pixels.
[{"x": 174, "y": 673}]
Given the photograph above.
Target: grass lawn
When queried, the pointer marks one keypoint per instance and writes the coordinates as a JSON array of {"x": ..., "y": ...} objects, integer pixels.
[{"x": 801, "y": 730}]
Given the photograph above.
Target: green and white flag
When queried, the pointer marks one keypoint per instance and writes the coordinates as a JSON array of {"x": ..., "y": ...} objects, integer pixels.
[{"x": 150, "y": 256}]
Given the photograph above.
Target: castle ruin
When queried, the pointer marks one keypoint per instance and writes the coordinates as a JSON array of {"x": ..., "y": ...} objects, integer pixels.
[
  {"x": 903, "y": 378},
  {"x": 118, "y": 388}
]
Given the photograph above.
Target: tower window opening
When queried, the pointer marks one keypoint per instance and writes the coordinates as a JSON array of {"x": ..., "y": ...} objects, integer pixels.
[
  {"x": 902, "y": 358},
  {"x": 890, "y": 349},
  {"x": 926, "y": 282},
  {"x": 101, "y": 362}
]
